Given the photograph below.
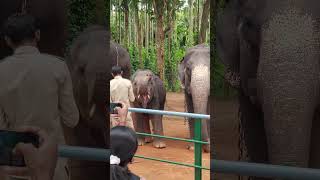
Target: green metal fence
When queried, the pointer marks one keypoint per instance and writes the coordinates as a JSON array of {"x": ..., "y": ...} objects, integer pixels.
[
  {"x": 219, "y": 166},
  {"x": 197, "y": 139}
]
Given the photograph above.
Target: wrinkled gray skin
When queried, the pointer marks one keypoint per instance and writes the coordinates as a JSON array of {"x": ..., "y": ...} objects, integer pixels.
[
  {"x": 90, "y": 72},
  {"x": 274, "y": 47},
  {"x": 150, "y": 93},
  {"x": 194, "y": 74}
]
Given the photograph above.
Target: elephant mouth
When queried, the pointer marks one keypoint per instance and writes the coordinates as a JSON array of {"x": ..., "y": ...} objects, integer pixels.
[{"x": 144, "y": 99}]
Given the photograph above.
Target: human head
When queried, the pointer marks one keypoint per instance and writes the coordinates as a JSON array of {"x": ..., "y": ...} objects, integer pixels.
[
  {"x": 21, "y": 29},
  {"x": 124, "y": 145},
  {"x": 116, "y": 71}
]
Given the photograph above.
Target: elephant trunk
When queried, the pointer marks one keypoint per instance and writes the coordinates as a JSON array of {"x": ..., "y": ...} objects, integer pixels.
[
  {"x": 200, "y": 89},
  {"x": 288, "y": 86},
  {"x": 144, "y": 96}
]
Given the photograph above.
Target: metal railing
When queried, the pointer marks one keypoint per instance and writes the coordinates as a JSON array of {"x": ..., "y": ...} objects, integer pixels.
[
  {"x": 197, "y": 138},
  {"x": 219, "y": 166}
]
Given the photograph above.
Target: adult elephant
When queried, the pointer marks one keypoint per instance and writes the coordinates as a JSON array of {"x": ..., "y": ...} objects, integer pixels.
[
  {"x": 274, "y": 47},
  {"x": 52, "y": 19},
  {"x": 90, "y": 71},
  {"x": 194, "y": 74},
  {"x": 150, "y": 93},
  {"x": 120, "y": 56}
]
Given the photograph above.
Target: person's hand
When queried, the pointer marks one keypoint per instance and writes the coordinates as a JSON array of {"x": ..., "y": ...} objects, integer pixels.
[
  {"x": 122, "y": 113},
  {"x": 40, "y": 162}
]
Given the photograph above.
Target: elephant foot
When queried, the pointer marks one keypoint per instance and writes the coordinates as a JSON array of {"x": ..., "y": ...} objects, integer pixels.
[
  {"x": 141, "y": 142},
  {"x": 190, "y": 147},
  {"x": 148, "y": 139},
  {"x": 159, "y": 144},
  {"x": 206, "y": 148}
]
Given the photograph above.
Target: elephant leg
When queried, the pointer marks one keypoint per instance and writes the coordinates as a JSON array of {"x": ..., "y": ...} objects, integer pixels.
[
  {"x": 147, "y": 129},
  {"x": 251, "y": 133},
  {"x": 188, "y": 100},
  {"x": 157, "y": 129},
  {"x": 134, "y": 120},
  {"x": 205, "y": 135},
  {"x": 315, "y": 145},
  {"x": 139, "y": 121}
]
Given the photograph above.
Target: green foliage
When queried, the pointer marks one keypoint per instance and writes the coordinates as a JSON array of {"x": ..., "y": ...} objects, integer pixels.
[
  {"x": 80, "y": 14},
  {"x": 220, "y": 88},
  {"x": 172, "y": 54}
]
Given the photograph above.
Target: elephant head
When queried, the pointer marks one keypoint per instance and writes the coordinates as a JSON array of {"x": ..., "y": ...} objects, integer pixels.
[
  {"x": 276, "y": 50},
  {"x": 194, "y": 74},
  {"x": 90, "y": 72},
  {"x": 143, "y": 86},
  {"x": 120, "y": 57}
]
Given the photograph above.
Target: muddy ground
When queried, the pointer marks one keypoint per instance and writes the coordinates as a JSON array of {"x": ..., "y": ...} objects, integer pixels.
[{"x": 226, "y": 143}]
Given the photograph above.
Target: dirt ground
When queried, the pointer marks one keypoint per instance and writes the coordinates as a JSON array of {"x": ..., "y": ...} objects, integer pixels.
[
  {"x": 226, "y": 137},
  {"x": 175, "y": 151}
]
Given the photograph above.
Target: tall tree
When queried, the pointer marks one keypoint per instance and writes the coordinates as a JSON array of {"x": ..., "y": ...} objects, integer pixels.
[
  {"x": 159, "y": 11},
  {"x": 119, "y": 19},
  {"x": 204, "y": 22},
  {"x": 147, "y": 26},
  {"x": 171, "y": 5},
  {"x": 190, "y": 30},
  {"x": 138, "y": 30},
  {"x": 125, "y": 8},
  {"x": 100, "y": 12}
]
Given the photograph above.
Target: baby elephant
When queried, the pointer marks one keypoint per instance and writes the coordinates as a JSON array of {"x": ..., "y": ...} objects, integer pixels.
[{"x": 150, "y": 93}]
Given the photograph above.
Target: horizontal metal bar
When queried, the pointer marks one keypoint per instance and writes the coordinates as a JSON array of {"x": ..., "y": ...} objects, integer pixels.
[
  {"x": 83, "y": 153},
  {"x": 264, "y": 170},
  {"x": 169, "y": 113},
  {"x": 171, "y": 162},
  {"x": 173, "y": 138},
  {"x": 218, "y": 166}
]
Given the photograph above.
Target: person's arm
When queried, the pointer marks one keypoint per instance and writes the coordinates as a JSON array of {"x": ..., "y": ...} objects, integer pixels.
[
  {"x": 40, "y": 162},
  {"x": 122, "y": 113},
  {"x": 69, "y": 112},
  {"x": 131, "y": 94}
]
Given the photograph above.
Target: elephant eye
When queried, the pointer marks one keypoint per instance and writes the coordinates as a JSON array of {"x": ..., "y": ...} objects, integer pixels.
[{"x": 81, "y": 70}]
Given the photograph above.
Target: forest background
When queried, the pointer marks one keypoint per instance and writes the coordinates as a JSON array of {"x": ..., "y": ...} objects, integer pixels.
[{"x": 135, "y": 25}]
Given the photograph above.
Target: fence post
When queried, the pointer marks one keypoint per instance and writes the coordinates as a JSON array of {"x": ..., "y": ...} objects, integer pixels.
[{"x": 197, "y": 149}]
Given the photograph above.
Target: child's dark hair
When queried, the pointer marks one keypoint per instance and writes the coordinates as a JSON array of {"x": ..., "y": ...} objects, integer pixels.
[
  {"x": 20, "y": 27},
  {"x": 124, "y": 145},
  {"x": 116, "y": 70}
]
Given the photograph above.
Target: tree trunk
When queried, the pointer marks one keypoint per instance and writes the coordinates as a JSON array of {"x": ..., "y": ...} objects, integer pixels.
[
  {"x": 147, "y": 27},
  {"x": 126, "y": 21},
  {"x": 170, "y": 26},
  {"x": 138, "y": 30},
  {"x": 119, "y": 19},
  {"x": 159, "y": 10},
  {"x": 100, "y": 11},
  {"x": 171, "y": 11},
  {"x": 204, "y": 22},
  {"x": 190, "y": 33}
]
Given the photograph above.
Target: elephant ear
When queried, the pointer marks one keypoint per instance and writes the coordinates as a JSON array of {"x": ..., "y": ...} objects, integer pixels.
[
  {"x": 227, "y": 41},
  {"x": 181, "y": 70},
  {"x": 134, "y": 75}
]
